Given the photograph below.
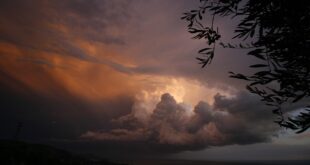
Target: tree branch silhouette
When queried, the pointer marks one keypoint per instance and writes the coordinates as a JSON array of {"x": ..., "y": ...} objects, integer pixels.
[{"x": 279, "y": 32}]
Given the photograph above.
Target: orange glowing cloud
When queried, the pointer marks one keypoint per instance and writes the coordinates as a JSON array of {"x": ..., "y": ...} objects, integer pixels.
[{"x": 122, "y": 73}]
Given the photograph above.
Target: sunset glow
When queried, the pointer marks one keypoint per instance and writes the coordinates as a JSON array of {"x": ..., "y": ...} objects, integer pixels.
[{"x": 113, "y": 76}]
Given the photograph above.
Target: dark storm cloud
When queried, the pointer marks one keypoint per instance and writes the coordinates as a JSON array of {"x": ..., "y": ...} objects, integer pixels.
[
  {"x": 172, "y": 128},
  {"x": 55, "y": 27},
  {"x": 52, "y": 26},
  {"x": 72, "y": 71},
  {"x": 92, "y": 17},
  {"x": 42, "y": 97},
  {"x": 41, "y": 62},
  {"x": 49, "y": 117}
]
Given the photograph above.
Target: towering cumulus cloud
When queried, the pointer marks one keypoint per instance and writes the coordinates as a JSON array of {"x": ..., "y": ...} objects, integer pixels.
[
  {"x": 120, "y": 76},
  {"x": 173, "y": 127}
]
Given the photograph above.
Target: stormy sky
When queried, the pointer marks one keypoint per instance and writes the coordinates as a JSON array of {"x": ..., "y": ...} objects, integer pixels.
[{"x": 120, "y": 78}]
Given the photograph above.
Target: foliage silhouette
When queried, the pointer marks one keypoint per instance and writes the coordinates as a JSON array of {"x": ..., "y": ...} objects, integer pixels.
[{"x": 279, "y": 35}]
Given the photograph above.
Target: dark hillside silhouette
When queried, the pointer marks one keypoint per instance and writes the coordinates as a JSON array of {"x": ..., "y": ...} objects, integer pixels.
[{"x": 17, "y": 153}]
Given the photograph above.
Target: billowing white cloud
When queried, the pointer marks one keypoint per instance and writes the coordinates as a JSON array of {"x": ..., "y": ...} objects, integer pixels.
[{"x": 229, "y": 120}]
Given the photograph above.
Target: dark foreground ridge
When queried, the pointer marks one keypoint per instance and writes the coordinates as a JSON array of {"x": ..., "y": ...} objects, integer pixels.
[{"x": 22, "y": 153}]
